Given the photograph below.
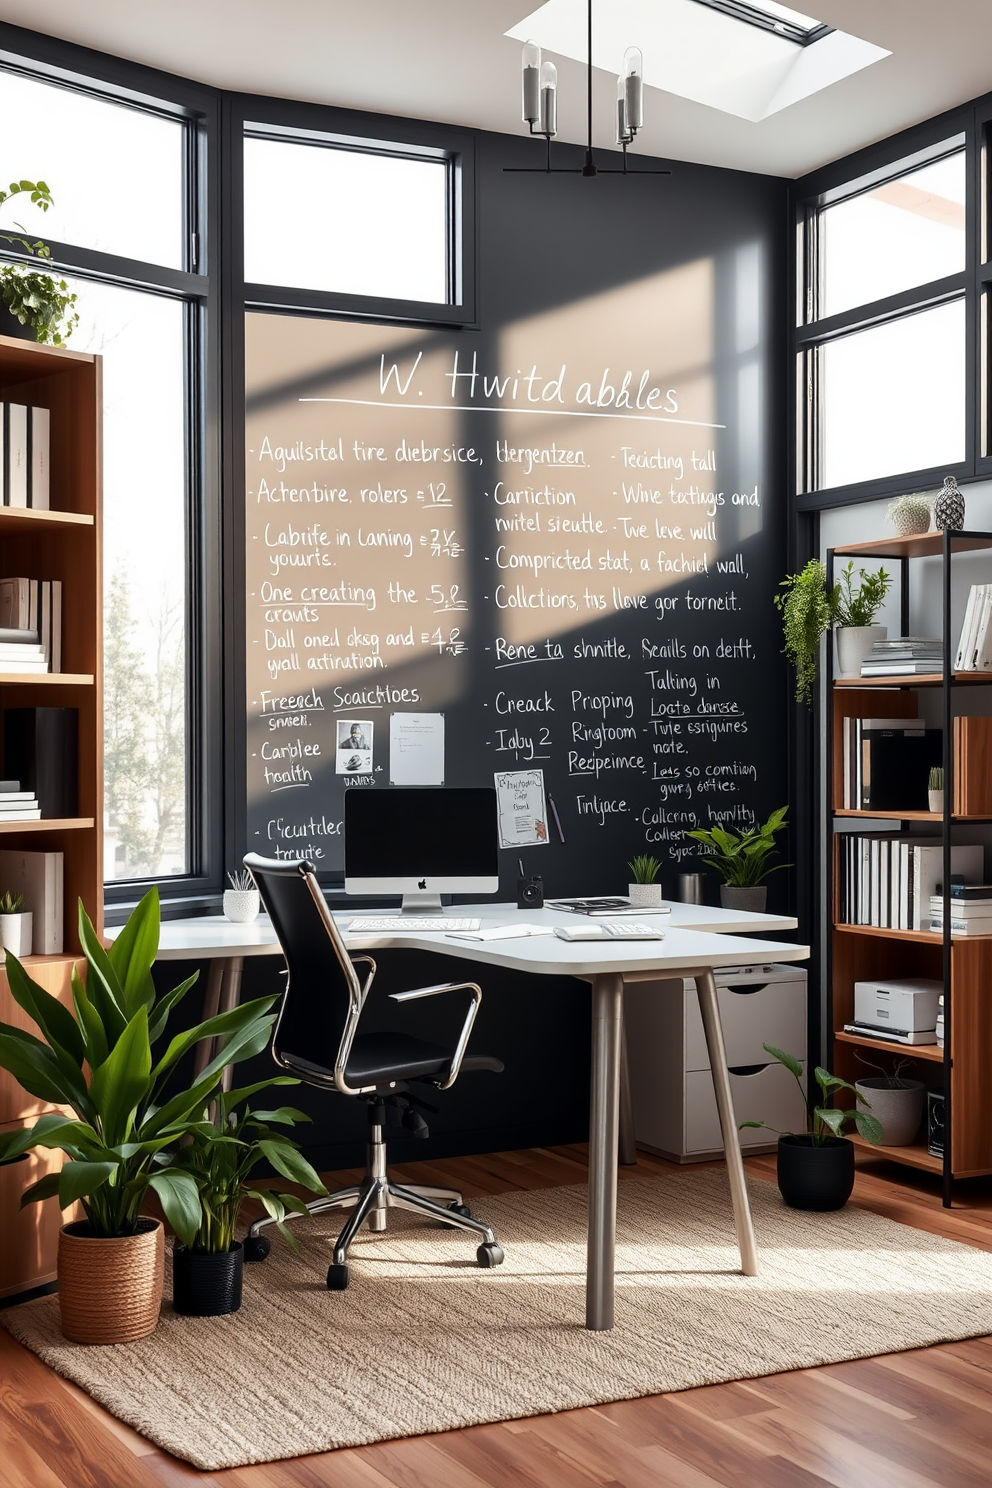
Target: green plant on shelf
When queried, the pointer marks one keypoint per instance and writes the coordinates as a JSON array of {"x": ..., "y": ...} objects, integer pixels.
[
  {"x": 741, "y": 858},
  {"x": 936, "y": 778},
  {"x": 644, "y": 869},
  {"x": 857, "y": 603},
  {"x": 44, "y": 304},
  {"x": 826, "y": 1120},
  {"x": 10, "y": 903}
]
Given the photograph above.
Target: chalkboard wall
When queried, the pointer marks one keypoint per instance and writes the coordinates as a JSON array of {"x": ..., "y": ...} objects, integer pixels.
[{"x": 562, "y": 531}]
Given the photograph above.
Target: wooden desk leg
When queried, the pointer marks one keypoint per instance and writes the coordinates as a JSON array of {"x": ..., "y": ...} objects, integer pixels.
[
  {"x": 607, "y": 1022},
  {"x": 230, "y": 993},
  {"x": 211, "y": 1007},
  {"x": 709, "y": 1007},
  {"x": 628, "y": 1140}
]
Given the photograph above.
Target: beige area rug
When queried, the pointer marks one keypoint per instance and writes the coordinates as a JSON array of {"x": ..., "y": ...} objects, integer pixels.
[{"x": 424, "y": 1341}]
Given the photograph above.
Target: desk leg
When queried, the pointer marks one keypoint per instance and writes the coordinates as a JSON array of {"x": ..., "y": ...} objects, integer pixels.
[
  {"x": 230, "y": 993},
  {"x": 607, "y": 1024},
  {"x": 211, "y": 1007},
  {"x": 709, "y": 1007},
  {"x": 628, "y": 1140}
]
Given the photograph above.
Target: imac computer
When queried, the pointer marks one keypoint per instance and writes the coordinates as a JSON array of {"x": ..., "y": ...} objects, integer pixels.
[{"x": 421, "y": 842}]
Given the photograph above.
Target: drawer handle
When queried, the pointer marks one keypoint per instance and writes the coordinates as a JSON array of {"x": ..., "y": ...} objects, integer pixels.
[
  {"x": 746, "y": 1069},
  {"x": 746, "y": 991}
]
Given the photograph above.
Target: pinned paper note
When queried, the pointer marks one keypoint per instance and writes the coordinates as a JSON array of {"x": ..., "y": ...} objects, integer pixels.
[
  {"x": 523, "y": 817},
  {"x": 416, "y": 749},
  {"x": 354, "y": 751}
]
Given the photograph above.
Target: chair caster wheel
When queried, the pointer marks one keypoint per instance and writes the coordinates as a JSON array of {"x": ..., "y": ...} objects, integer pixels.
[
  {"x": 489, "y": 1255},
  {"x": 256, "y": 1248},
  {"x": 461, "y": 1209},
  {"x": 337, "y": 1278}
]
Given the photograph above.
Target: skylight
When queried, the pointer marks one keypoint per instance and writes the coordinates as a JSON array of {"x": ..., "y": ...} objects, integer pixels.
[{"x": 708, "y": 50}]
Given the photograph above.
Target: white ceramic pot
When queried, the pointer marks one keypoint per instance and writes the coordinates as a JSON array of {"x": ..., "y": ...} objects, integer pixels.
[
  {"x": 16, "y": 932},
  {"x": 644, "y": 896},
  {"x": 852, "y": 645},
  {"x": 241, "y": 905},
  {"x": 935, "y": 800}
]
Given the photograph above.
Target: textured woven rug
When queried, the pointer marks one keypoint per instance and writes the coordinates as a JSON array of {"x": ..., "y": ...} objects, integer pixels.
[{"x": 424, "y": 1341}]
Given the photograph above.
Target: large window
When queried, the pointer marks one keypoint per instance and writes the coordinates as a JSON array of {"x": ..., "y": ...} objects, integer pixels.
[
  {"x": 120, "y": 222},
  {"x": 882, "y": 345}
]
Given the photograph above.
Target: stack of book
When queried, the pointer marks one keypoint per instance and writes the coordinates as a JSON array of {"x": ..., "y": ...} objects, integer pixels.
[
  {"x": 24, "y": 455},
  {"x": 974, "y": 653},
  {"x": 904, "y": 656},
  {"x": 888, "y": 881},
  {"x": 971, "y": 910},
  {"x": 887, "y": 763},
  {"x": 18, "y": 805},
  {"x": 30, "y": 625},
  {"x": 940, "y": 1021}
]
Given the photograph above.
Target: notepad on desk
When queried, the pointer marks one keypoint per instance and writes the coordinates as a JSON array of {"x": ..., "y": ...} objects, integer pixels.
[{"x": 501, "y": 932}]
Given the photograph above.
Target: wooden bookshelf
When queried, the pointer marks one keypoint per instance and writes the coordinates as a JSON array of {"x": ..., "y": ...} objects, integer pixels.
[{"x": 63, "y": 543}]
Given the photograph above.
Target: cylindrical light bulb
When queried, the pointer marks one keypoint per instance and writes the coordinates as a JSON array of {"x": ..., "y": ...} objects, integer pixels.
[
  {"x": 624, "y": 136},
  {"x": 633, "y": 70},
  {"x": 549, "y": 99},
  {"x": 530, "y": 72}
]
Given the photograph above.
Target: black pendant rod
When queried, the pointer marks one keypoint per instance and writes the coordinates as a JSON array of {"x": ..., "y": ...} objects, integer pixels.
[{"x": 589, "y": 169}]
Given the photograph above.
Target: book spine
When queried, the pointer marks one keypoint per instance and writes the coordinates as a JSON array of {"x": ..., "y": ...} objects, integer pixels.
[
  {"x": 965, "y": 629},
  {"x": 39, "y": 430},
  {"x": 15, "y": 454}
]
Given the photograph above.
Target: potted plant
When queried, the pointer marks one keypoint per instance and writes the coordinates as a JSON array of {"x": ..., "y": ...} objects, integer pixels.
[
  {"x": 910, "y": 515},
  {"x": 241, "y": 902},
  {"x": 741, "y": 858},
  {"x": 15, "y": 924},
  {"x": 935, "y": 789},
  {"x": 895, "y": 1102},
  {"x": 807, "y": 614},
  {"x": 223, "y": 1152},
  {"x": 105, "y": 1061},
  {"x": 644, "y": 891},
  {"x": 855, "y": 605},
  {"x": 816, "y": 1167},
  {"x": 36, "y": 307}
]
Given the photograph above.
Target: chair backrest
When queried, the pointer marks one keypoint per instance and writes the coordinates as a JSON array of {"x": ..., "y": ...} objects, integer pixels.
[{"x": 323, "y": 996}]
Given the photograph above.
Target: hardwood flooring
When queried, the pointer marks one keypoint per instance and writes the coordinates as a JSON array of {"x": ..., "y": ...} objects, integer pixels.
[{"x": 914, "y": 1420}]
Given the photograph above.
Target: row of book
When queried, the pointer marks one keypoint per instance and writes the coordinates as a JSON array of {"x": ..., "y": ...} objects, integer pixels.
[
  {"x": 903, "y": 656},
  {"x": 30, "y": 625},
  {"x": 974, "y": 653},
  {"x": 888, "y": 881},
  {"x": 887, "y": 763},
  {"x": 25, "y": 455}
]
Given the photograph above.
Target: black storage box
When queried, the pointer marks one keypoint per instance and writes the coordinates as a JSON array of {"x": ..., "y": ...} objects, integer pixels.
[{"x": 41, "y": 750}]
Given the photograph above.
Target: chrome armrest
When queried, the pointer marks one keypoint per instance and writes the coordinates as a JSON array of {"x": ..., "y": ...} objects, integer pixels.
[
  {"x": 473, "y": 1008},
  {"x": 351, "y": 1029}
]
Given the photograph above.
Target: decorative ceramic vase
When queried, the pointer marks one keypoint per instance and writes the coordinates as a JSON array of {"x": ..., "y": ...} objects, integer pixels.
[
  {"x": 815, "y": 1178},
  {"x": 241, "y": 905},
  {"x": 948, "y": 509},
  {"x": 644, "y": 896},
  {"x": 935, "y": 801},
  {"x": 110, "y": 1290},
  {"x": 752, "y": 897},
  {"x": 852, "y": 646},
  {"x": 207, "y": 1283},
  {"x": 899, "y": 1108},
  {"x": 16, "y": 933}
]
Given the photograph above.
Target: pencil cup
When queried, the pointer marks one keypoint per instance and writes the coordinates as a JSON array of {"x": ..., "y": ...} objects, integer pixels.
[
  {"x": 241, "y": 905},
  {"x": 690, "y": 888}
]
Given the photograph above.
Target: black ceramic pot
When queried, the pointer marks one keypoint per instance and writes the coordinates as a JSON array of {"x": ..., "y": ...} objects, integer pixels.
[
  {"x": 206, "y": 1284},
  {"x": 817, "y": 1178},
  {"x": 11, "y": 326}
]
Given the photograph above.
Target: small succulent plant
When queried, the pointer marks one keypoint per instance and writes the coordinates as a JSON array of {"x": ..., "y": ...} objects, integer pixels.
[{"x": 910, "y": 514}]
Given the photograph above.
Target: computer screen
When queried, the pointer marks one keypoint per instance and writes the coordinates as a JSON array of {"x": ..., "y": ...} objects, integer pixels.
[{"x": 421, "y": 842}]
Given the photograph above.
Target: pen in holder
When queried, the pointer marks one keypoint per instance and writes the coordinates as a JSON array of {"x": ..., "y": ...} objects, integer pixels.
[{"x": 530, "y": 889}]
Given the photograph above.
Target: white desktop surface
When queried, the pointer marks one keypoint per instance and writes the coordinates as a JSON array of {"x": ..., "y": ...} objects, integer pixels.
[{"x": 210, "y": 936}]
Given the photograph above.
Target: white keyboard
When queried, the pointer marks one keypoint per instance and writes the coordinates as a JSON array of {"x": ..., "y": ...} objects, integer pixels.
[{"x": 382, "y": 924}]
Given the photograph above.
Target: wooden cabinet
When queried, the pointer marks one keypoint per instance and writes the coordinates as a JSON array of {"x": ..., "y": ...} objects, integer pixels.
[
  {"x": 61, "y": 543},
  {"x": 962, "y": 1069}
]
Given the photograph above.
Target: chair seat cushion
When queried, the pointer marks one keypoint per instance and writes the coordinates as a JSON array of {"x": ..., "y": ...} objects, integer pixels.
[{"x": 376, "y": 1057}]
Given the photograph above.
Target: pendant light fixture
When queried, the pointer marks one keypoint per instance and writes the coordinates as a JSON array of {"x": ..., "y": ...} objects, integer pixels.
[{"x": 539, "y": 80}]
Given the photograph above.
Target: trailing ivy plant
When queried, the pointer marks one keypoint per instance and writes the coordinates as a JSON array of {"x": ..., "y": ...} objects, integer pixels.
[
  {"x": 807, "y": 611},
  {"x": 45, "y": 304}
]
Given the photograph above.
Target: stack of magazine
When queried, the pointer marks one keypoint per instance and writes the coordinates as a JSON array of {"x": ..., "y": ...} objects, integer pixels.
[
  {"x": 974, "y": 653},
  {"x": 30, "y": 625},
  {"x": 18, "y": 805},
  {"x": 907, "y": 656},
  {"x": 971, "y": 909}
]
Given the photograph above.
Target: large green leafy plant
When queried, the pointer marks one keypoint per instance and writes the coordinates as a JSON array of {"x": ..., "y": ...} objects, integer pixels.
[
  {"x": 105, "y": 1060},
  {"x": 741, "y": 858},
  {"x": 44, "y": 304},
  {"x": 221, "y": 1156},
  {"x": 825, "y": 1121}
]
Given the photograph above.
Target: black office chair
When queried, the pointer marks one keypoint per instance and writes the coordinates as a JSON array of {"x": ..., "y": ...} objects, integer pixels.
[{"x": 321, "y": 1010}]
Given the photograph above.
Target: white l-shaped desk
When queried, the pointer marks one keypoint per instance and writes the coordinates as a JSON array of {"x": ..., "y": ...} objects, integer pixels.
[{"x": 697, "y": 940}]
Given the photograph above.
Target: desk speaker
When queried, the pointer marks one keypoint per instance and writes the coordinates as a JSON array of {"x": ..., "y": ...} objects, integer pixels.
[
  {"x": 530, "y": 893},
  {"x": 935, "y": 1123}
]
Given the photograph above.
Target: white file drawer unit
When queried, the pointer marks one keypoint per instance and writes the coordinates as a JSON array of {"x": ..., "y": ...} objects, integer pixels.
[{"x": 675, "y": 1111}]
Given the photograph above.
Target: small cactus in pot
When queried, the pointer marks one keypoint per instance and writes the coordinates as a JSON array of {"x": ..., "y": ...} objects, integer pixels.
[{"x": 909, "y": 515}]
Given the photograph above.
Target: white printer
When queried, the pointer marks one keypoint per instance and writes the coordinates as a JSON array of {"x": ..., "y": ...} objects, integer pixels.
[{"x": 904, "y": 1010}]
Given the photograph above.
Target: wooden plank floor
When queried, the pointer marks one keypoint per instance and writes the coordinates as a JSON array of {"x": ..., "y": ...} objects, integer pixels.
[{"x": 915, "y": 1420}]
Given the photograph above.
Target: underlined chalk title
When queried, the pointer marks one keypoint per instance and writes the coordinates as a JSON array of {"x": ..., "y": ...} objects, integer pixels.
[{"x": 614, "y": 388}]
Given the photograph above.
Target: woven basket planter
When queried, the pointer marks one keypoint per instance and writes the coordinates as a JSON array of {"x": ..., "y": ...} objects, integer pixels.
[{"x": 110, "y": 1291}]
